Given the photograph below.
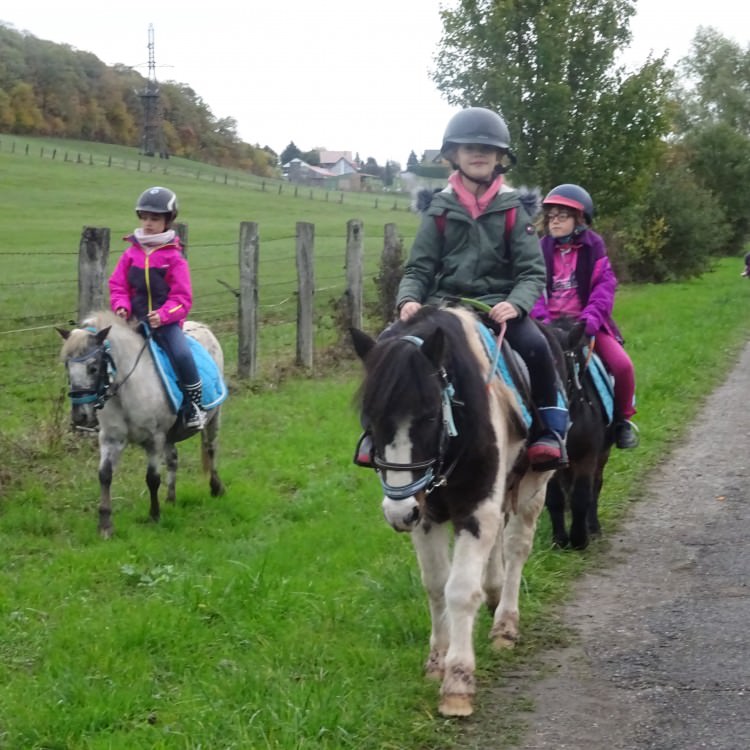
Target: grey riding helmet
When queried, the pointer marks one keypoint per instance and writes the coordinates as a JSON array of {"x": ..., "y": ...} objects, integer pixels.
[
  {"x": 158, "y": 200},
  {"x": 476, "y": 125},
  {"x": 481, "y": 126}
]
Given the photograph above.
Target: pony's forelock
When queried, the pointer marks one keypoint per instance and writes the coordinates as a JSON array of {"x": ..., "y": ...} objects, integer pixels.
[{"x": 79, "y": 339}]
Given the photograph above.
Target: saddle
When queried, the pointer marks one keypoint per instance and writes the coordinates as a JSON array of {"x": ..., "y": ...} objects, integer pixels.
[{"x": 214, "y": 390}]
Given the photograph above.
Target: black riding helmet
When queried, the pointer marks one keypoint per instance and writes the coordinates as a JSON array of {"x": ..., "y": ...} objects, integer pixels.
[
  {"x": 158, "y": 200},
  {"x": 481, "y": 126},
  {"x": 573, "y": 196}
]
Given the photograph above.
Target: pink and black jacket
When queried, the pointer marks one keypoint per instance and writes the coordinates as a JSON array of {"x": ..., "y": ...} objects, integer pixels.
[
  {"x": 596, "y": 283},
  {"x": 160, "y": 280}
]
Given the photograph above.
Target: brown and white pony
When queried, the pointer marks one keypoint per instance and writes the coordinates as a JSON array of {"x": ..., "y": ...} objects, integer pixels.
[{"x": 447, "y": 440}]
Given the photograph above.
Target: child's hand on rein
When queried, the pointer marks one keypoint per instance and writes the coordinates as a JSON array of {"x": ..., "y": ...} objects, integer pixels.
[
  {"x": 503, "y": 311},
  {"x": 153, "y": 319}
]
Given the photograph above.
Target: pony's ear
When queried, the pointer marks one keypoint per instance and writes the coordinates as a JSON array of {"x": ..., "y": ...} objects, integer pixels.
[
  {"x": 102, "y": 335},
  {"x": 362, "y": 342},
  {"x": 64, "y": 332},
  {"x": 434, "y": 347}
]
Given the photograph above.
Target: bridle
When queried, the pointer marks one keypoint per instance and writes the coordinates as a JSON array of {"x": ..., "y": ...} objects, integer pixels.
[
  {"x": 433, "y": 475},
  {"x": 99, "y": 392},
  {"x": 104, "y": 388}
]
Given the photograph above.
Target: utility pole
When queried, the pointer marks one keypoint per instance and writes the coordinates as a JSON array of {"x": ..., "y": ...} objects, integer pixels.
[{"x": 151, "y": 136}]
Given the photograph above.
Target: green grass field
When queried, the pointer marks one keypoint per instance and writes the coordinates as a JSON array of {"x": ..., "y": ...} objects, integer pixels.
[{"x": 286, "y": 614}]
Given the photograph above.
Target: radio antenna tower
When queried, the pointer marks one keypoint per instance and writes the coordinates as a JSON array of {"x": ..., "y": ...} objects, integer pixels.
[{"x": 151, "y": 137}]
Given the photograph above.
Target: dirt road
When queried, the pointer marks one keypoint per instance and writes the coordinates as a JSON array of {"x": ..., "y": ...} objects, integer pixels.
[{"x": 661, "y": 649}]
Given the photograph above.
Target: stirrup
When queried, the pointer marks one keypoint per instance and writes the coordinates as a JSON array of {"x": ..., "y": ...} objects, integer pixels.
[
  {"x": 554, "y": 457},
  {"x": 626, "y": 434}
]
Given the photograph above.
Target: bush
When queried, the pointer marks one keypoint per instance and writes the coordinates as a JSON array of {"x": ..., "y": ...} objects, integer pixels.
[{"x": 675, "y": 235}]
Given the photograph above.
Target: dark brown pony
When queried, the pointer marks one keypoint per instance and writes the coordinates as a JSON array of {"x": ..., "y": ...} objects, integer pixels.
[{"x": 589, "y": 441}]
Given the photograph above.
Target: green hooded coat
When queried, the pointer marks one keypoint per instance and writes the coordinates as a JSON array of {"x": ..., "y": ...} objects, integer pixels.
[{"x": 471, "y": 258}]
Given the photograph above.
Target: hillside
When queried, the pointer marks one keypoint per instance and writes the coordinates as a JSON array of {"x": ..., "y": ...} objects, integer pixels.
[{"x": 49, "y": 89}]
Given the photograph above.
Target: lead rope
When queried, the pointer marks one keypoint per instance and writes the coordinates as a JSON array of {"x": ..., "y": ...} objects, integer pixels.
[{"x": 496, "y": 358}]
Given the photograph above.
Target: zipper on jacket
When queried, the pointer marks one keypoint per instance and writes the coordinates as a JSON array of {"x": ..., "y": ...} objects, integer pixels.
[{"x": 147, "y": 269}]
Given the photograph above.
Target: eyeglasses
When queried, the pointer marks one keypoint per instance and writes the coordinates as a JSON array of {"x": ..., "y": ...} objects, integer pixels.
[{"x": 559, "y": 215}]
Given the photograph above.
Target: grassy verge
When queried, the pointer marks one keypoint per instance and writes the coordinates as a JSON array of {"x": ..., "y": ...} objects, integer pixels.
[{"x": 286, "y": 614}]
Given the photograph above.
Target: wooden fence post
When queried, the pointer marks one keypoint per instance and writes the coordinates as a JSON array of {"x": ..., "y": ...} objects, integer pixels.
[
  {"x": 391, "y": 271},
  {"x": 182, "y": 233},
  {"x": 247, "y": 314},
  {"x": 92, "y": 270},
  {"x": 305, "y": 292},
  {"x": 354, "y": 271}
]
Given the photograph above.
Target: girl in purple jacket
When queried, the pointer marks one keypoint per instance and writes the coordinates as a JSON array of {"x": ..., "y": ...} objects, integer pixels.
[
  {"x": 581, "y": 285},
  {"x": 151, "y": 282}
]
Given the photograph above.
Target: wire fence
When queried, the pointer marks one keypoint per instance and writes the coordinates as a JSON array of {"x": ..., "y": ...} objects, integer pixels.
[
  {"x": 30, "y": 310},
  {"x": 391, "y": 201}
]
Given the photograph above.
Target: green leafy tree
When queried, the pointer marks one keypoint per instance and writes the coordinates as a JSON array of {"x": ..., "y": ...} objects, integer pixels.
[
  {"x": 289, "y": 153},
  {"x": 312, "y": 157},
  {"x": 714, "y": 82},
  {"x": 682, "y": 228},
  {"x": 715, "y": 125},
  {"x": 549, "y": 69},
  {"x": 412, "y": 162},
  {"x": 388, "y": 173}
]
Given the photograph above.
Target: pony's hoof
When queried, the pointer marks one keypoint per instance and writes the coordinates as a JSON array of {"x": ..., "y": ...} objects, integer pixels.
[
  {"x": 504, "y": 633},
  {"x": 579, "y": 542},
  {"x": 217, "y": 489},
  {"x": 105, "y": 533},
  {"x": 504, "y": 641},
  {"x": 456, "y": 705}
]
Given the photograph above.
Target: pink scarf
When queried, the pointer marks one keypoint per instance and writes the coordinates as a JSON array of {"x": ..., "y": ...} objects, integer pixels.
[{"x": 473, "y": 204}]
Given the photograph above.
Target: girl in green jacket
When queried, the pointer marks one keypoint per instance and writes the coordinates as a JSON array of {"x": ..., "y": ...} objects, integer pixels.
[{"x": 464, "y": 249}]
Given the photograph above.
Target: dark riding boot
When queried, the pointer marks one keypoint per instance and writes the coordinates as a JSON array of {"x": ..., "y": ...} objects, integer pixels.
[
  {"x": 626, "y": 434},
  {"x": 547, "y": 451},
  {"x": 195, "y": 417}
]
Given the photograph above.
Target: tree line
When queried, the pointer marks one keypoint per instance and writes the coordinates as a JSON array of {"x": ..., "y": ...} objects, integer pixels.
[
  {"x": 665, "y": 152},
  {"x": 49, "y": 89}
]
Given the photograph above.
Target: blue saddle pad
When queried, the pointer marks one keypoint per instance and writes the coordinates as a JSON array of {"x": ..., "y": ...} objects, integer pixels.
[
  {"x": 214, "y": 390},
  {"x": 490, "y": 346},
  {"x": 502, "y": 370},
  {"x": 602, "y": 381}
]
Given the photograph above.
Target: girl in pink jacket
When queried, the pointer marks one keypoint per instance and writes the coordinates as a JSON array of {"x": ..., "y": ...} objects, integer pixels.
[
  {"x": 581, "y": 285},
  {"x": 151, "y": 283}
]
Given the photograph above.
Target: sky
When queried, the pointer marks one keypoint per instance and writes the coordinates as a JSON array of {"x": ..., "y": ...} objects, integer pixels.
[{"x": 344, "y": 75}]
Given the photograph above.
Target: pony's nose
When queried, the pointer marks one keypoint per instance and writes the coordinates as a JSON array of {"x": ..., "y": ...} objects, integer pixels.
[
  {"x": 402, "y": 515},
  {"x": 83, "y": 417}
]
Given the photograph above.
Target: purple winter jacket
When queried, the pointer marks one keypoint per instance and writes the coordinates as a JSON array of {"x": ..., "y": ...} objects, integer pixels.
[{"x": 596, "y": 284}]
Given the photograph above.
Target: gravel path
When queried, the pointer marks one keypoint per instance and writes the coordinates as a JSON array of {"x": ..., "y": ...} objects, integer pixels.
[{"x": 661, "y": 656}]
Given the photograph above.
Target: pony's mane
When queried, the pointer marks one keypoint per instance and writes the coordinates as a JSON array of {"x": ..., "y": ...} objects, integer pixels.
[
  {"x": 401, "y": 381},
  {"x": 80, "y": 338}
]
